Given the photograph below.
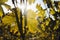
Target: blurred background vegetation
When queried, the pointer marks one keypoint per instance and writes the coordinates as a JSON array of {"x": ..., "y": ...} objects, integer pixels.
[{"x": 15, "y": 26}]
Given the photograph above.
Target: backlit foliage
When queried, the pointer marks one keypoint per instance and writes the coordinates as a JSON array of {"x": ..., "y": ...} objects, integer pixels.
[{"x": 38, "y": 27}]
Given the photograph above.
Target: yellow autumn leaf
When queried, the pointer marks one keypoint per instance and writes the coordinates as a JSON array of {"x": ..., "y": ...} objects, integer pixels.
[
  {"x": 2, "y": 1},
  {"x": 7, "y": 6},
  {"x": 32, "y": 22},
  {"x": 8, "y": 20},
  {"x": 52, "y": 11},
  {"x": 31, "y": 1},
  {"x": 1, "y": 12}
]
